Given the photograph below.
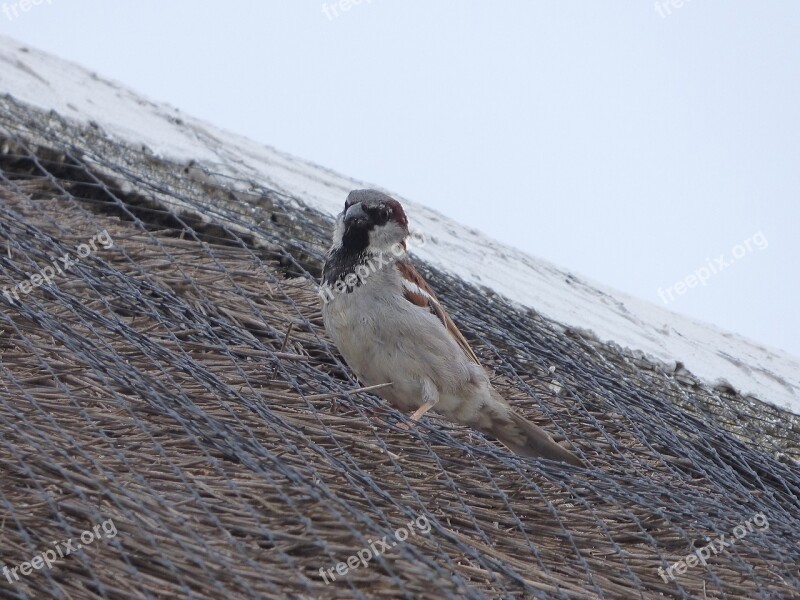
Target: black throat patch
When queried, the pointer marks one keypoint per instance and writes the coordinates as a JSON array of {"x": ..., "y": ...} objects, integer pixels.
[
  {"x": 346, "y": 271},
  {"x": 344, "y": 260},
  {"x": 342, "y": 263}
]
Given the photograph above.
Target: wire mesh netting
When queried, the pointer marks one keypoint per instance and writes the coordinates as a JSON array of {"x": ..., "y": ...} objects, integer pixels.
[{"x": 170, "y": 391}]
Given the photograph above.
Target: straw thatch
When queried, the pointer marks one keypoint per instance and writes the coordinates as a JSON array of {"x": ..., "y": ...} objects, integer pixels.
[{"x": 180, "y": 383}]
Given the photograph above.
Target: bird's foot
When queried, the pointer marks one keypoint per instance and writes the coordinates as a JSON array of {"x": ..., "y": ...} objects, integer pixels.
[{"x": 417, "y": 415}]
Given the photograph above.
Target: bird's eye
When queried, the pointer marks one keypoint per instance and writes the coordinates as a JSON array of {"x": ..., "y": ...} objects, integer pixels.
[{"x": 383, "y": 215}]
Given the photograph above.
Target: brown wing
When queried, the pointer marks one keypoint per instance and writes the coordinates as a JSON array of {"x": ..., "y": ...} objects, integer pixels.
[{"x": 416, "y": 291}]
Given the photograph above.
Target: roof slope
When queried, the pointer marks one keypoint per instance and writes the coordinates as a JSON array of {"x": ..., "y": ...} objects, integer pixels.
[
  {"x": 178, "y": 381},
  {"x": 719, "y": 357}
]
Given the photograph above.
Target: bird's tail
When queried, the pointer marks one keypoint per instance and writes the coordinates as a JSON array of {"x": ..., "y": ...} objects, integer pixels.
[{"x": 525, "y": 438}]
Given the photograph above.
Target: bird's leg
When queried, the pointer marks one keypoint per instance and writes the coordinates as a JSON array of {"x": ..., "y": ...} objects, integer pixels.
[
  {"x": 420, "y": 412},
  {"x": 430, "y": 396}
]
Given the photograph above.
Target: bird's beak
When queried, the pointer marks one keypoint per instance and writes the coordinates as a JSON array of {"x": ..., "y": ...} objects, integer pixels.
[{"x": 355, "y": 213}]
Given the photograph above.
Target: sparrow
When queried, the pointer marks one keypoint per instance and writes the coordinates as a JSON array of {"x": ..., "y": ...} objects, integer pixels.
[{"x": 390, "y": 328}]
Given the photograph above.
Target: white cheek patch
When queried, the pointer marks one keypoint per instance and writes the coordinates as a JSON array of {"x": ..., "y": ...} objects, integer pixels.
[{"x": 381, "y": 239}]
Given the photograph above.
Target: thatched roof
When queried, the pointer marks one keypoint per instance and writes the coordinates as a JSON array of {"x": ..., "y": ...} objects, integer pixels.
[{"x": 180, "y": 383}]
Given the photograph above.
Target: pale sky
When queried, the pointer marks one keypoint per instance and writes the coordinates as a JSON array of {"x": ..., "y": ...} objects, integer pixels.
[{"x": 632, "y": 142}]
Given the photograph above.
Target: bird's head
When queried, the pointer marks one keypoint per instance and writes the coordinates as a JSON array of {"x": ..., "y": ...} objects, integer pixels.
[{"x": 370, "y": 222}]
